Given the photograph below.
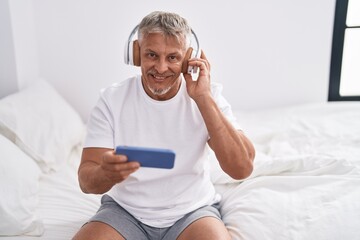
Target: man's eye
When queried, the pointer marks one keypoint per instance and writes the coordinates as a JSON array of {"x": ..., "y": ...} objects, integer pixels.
[
  {"x": 152, "y": 55},
  {"x": 172, "y": 58}
]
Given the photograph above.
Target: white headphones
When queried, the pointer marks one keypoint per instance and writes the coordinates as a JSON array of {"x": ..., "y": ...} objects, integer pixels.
[{"x": 132, "y": 52}]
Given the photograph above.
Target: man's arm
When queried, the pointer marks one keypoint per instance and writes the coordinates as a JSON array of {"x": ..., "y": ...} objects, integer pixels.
[
  {"x": 101, "y": 168},
  {"x": 233, "y": 149}
]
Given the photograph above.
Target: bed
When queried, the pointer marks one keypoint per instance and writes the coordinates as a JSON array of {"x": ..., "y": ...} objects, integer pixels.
[{"x": 305, "y": 183}]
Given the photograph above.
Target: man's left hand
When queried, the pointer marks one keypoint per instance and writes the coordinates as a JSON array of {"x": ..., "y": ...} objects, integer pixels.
[{"x": 200, "y": 87}]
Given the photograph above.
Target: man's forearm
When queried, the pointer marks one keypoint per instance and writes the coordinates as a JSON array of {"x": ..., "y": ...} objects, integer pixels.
[
  {"x": 92, "y": 180},
  {"x": 232, "y": 148}
]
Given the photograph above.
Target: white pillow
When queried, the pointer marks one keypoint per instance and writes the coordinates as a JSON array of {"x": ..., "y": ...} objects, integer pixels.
[
  {"x": 42, "y": 124},
  {"x": 19, "y": 186}
]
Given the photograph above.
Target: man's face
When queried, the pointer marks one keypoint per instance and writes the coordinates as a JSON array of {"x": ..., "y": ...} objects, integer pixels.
[{"x": 161, "y": 61}]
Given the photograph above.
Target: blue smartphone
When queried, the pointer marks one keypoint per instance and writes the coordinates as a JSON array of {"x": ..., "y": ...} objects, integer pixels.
[{"x": 148, "y": 157}]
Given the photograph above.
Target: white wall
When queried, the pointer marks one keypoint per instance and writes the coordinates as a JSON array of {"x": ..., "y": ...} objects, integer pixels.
[
  {"x": 7, "y": 55},
  {"x": 266, "y": 53},
  {"x": 18, "y": 45}
]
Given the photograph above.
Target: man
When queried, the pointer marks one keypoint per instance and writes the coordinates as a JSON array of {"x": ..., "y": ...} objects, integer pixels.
[{"x": 163, "y": 108}]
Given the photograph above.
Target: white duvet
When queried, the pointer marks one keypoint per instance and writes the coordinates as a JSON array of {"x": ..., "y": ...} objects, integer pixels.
[
  {"x": 310, "y": 197},
  {"x": 295, "y": 207},
  {"x": 306, "y": 180},
  {"x": 305, "y": 183}
]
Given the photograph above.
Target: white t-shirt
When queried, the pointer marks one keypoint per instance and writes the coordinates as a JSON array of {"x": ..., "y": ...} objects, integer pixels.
[{"x": 126, "y": 115}]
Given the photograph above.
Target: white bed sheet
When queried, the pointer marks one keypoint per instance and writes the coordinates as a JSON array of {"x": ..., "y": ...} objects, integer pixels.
[
  {"x": 305, "y": 184},
  {"x": 306, "y": 197},
  {"x": 293, "y": 207},
  {"x": 62, "y": 206}
]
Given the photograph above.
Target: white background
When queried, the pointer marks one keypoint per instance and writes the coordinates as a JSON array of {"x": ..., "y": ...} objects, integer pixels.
[{"x": 266, "y": 53}]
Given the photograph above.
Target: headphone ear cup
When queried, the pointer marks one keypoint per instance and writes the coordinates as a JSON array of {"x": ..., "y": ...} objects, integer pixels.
[
  {"x": 136, "y": 53},
  {"x": 184, "y": 68}
]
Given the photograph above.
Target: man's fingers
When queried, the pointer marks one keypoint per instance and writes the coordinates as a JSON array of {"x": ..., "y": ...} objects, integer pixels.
[
  {"x": 112, "y": 158},
  {"x": 199, "y": 62},
  {"x": 203, "y": 56},
  {"x": 118, "y": 176},
  {"x": 116, "y": 163},
  {"x": 126, "y": 166}
]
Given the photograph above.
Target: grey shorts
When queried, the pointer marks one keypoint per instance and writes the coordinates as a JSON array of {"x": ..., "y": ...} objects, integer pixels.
[{"x": 130, "y": 228}]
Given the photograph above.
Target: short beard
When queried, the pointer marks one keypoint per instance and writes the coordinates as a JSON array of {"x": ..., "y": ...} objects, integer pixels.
[{"x": 160, "y": 91}]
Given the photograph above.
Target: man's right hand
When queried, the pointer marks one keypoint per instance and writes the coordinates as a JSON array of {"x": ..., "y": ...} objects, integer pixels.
[
  {"x": 116, "y": 167},
  {"x": 101, "y": 168}
]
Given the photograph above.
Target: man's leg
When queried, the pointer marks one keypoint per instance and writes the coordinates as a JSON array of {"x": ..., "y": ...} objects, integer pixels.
[
  {"x": 205, "y": 228},
  {"x": 111, "y": 222},
  {"x": 97, "y": 230}
]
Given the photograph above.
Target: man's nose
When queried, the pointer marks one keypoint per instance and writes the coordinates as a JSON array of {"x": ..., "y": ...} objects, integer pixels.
[{"x": 161, "y": 65}]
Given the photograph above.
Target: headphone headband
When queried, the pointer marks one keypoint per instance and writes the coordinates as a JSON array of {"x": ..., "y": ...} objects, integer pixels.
[{"x": 129, "y": 41}]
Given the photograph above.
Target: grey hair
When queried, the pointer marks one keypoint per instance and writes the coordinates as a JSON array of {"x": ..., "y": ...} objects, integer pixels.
[{"x": 167, "y": 23}]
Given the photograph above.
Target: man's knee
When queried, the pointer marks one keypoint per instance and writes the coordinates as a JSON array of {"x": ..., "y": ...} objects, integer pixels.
[
  {"x": 206, "y": 228},
  {"x": 97, "y": 230}
]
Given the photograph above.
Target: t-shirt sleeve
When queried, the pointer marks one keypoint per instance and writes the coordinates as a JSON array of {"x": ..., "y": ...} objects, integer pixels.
[
  {"x": 224, "y": 105},
  {"x": 100, "y": 132}
]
